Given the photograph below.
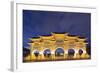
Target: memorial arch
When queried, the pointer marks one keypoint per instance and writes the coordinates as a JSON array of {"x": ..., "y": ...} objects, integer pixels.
[{"x": 63, "y": 45}]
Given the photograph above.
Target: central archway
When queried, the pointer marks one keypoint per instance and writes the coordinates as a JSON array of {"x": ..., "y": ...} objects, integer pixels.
[
  {"x": 47, "y": 53},
  {"x": 59, "y": 52}
]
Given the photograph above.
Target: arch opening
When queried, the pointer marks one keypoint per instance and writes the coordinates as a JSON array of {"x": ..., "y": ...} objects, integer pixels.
[
  {"x": 36, "y": 53},
  {"x": 80, "y": 52},
  {"x": 47, "y": 53},
  {"x": 71, "y": 53},
  {"x": 59, "y": 52}
]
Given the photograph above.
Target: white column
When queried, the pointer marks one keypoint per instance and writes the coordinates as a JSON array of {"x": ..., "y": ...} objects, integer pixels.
[
  {"x": 76, "y": 52},
  {"x": 66, "y": 52},
  {"x": 52, "y": 52},
  {"x": 84, "y": 51}
]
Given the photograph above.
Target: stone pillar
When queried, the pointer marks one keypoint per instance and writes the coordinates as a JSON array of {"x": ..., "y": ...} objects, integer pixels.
[
  {"x": 66, "y": 54},
  {"x": 83, "y": 54},
  {"x": 31, "y": 52},
  {"x": 41, "y": 55},
  {"x": 53, "y": 54},
  {"x": 76, "y": 54}
]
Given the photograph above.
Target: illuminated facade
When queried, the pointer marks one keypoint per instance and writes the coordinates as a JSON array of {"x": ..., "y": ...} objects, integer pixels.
[{"x": 57, "y": 46}]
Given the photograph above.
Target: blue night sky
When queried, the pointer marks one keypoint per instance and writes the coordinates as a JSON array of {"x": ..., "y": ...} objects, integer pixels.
[{"x": 37, "y": 23}]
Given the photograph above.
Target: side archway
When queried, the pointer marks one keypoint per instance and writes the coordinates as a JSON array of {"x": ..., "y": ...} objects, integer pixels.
[
  {"x": 36, "y": 53},
  {"x": 71, "y": 53},
  {"x": 80, "y": 51},
  {"x": 47, "y": 53}
]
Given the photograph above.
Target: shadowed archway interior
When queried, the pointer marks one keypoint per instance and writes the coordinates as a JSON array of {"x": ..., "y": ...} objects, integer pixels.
[{"x": 59, "y": 52}]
